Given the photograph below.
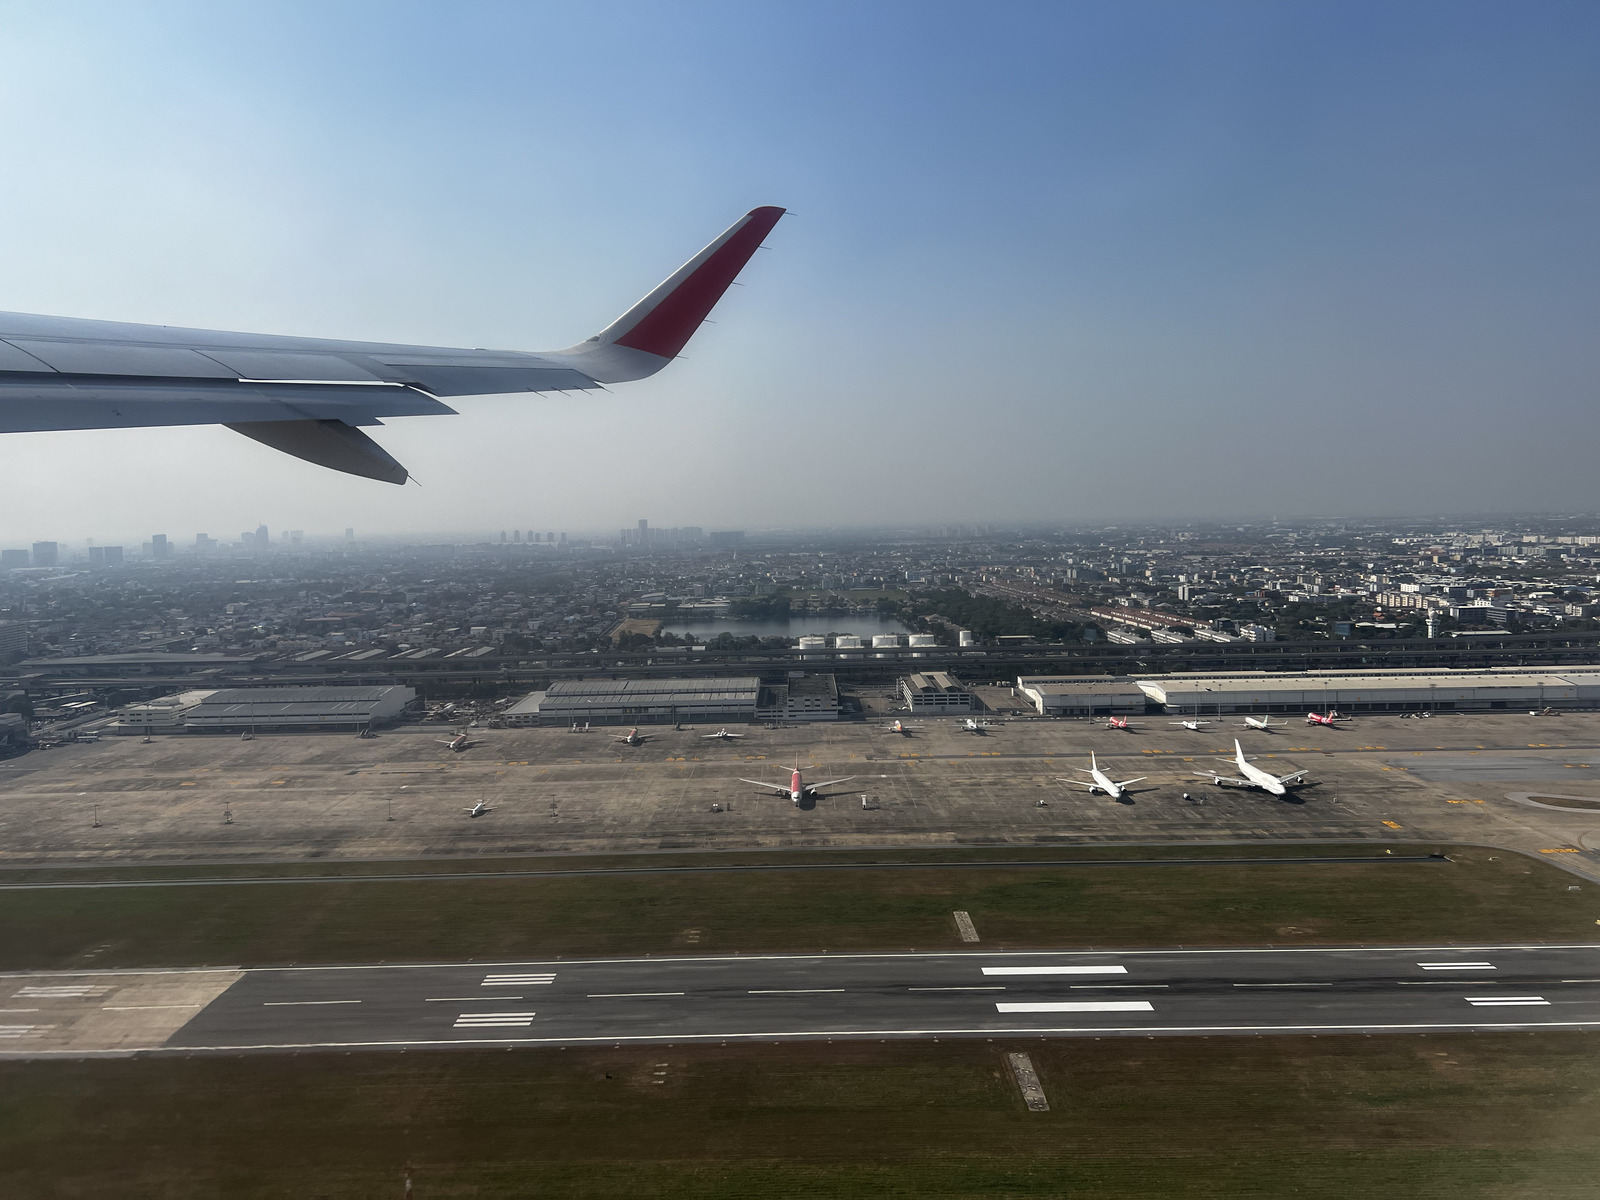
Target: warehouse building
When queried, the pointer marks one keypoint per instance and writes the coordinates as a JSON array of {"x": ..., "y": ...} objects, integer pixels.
[
  {"x": 350, "y": 709},
  {"x": 934, "y": 692},
  {"x": 1082, "y": 695},
  {"x": 649, "y": 701},
  {"x": 1373, "y": 691},
  {"x": 526, "y": 710},
  {"x": 164, "y": 714},
  {"x": 803, "y": 698}
]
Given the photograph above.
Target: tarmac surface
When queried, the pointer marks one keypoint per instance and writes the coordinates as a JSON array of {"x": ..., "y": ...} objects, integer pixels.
[
  {"x": 785, "y": 998},
  {"x": 1480, "y": 778}
]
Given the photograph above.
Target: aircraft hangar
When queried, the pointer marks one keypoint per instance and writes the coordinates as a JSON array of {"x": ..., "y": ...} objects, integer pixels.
[{"x": 1373, "y": 691}]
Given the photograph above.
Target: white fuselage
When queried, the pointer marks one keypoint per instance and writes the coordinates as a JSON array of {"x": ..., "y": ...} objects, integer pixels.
[
  {"x": 1264, "y": 780},
  {"x": 1103, "y": 781}
]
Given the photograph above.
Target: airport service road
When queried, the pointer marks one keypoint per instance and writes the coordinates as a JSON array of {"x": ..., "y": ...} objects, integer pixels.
[{"x": 727, "y": 999}]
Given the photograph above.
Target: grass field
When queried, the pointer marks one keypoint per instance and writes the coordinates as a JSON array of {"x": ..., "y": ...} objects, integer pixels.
[
  {"x": 1499, "y": 1115},
  {"x": 1480, "y": 896}
]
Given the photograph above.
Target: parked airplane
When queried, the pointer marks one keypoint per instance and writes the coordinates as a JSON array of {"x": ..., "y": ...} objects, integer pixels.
[
  {"x": 632, "y": 738},
  {"x": 1253, "y": 777},
  {"x": 973, "y": 725},
  {"x": 460, "y": 742},
  {"x": 1331, "y": 717},
  {"x": 1191, "y": 724},
  {"x": 722, "y": 735},
  {"x": 309, "y": 396},
  {"x": 478, "y": 809},
  {"x": 1265, "y": 724},
  {"x": 797, "y": 790},
  {"x": 1102, "y": 781},
  {"x": 1118, "y": 723},
  {"x": 902, "y": 727}
]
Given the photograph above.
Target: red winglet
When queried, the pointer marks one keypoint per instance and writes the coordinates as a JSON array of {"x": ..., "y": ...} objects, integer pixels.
[{"x": 666, "y": 328}]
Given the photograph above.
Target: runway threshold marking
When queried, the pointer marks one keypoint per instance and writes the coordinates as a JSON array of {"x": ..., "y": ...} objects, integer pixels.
[
  {"x": 1457, "y": 966},
  {"x": 1100, "y": 969},
  {"x": 519, "y": 980},
  {"x": 1028, "y": 1006},
  {"x": 1504, "y": 1001}
]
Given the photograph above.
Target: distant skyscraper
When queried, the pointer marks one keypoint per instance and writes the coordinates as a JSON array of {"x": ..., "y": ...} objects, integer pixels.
[
  {"x": 46, "y": 554},
  {"x": 13, "y": 558},
  {"x": 113, "y": 555},
  {"x": 296, "y": 536},
  {"x": 263, "y": 537},
  {"x": 159, "y": 546},
  {"x": 349, "y": 534}
]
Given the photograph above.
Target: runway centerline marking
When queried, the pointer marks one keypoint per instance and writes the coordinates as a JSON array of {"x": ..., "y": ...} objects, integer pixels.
[
  {"x": 1459, "y": 966},
  {"x": 1283, "y": 985},
  {"x": 1047, "y": 1006},
  {"x": 302, "y": 1003},
  {"x": 977, "y": 987},
  {"x": 461, "y": 999},
  {"x": 789, "y": 991},
  {"x": 1103, "y": 987},
  {"x": 626, "y": 995},
  {"x": 1099, "y": 969},
  {"x": 1503, "y": 1001}
]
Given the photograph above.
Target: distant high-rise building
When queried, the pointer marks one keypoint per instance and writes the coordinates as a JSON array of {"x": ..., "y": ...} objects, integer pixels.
[
  {"x": 563, "y": 539},
  {"x": 113, "y": 555},
  {"x": 502, "y": 535},
  {"x": 263, "y": 538},
  {"x": 159, "y": 546},
  {"x": 516, "y": 535},
  {"x": 349, "y": 534},
  {"x": 204, "y": 541},
  {"x": 46, "y": 554},
  {"x": 13, "y": 558},
  {"x": 296, "y": 536},
  {"x": 97, "y": 556}
]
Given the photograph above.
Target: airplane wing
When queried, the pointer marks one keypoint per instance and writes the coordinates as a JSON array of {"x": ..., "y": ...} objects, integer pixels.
[
  {"x": 777, "y": 787},
  {"x": 1078, "y": 782},
  {"x": 309, "y": 397},
  {"x": 829, "y": 782},
  {"x": 1126, "y": 782},
  {"x": 1291, "y": 778}
]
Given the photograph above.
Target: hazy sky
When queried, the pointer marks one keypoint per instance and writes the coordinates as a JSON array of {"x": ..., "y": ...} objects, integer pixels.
[{"x": 1057, "y": 261}]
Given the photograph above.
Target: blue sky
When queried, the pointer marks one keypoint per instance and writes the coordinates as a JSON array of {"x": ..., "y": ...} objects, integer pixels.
[{"x": 1048, "y": 262}]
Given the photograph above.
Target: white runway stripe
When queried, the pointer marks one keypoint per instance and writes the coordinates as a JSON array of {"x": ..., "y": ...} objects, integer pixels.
[
  {"x": 1504, "y": 1001},
  {"x": 1077, "y": 1006},
  {"x": 1101, "y": 969},
  {"x": 494, "y": 1020},
  {"x": 1457, "y": 966},
  {"x": 17, "y": 1031},
  {"x": 63, "y": 991},
  {"x": 520, "y": 980}
]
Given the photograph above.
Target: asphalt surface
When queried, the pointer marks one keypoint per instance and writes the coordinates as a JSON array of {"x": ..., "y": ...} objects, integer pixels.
[{"x": 787, "y": 998}]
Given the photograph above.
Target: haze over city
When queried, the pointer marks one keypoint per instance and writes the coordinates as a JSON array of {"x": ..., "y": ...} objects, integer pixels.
[{"x": 1043, "y": 264}]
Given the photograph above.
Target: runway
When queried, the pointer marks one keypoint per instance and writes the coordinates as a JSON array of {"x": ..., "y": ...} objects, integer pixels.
[{"x": 786, "y": 997}]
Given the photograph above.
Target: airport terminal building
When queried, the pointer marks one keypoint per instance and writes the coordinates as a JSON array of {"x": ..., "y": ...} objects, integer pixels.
[
  {"x": 1373, "y": 691},
  {"x": 649, "y": 701},
  {"x": 1082, "y": 695},
  {"x": 300, "y": 709}
]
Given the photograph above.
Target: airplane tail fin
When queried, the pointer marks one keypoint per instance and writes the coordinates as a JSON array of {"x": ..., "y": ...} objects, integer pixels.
[
  {"x": 1238, "y": 752},
  {"x": 651, "y": 333}
]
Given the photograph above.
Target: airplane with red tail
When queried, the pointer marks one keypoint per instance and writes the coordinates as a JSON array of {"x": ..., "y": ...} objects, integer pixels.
[
  {"x": 798, "y": 790},
  {"x": 1331, "y": 717}
]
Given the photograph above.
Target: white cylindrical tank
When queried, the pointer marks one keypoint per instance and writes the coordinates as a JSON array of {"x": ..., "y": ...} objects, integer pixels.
[
  {"x": 967, "y": 639},
  {"x": 847, "y": 641},
  {"x": 886, "y": 641},
  {"x": 921, "y": 639},
  {"x": 813, "y": 643}
]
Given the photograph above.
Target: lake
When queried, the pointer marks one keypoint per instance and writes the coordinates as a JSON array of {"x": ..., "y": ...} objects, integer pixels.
[{"x": 863, "y": 625}]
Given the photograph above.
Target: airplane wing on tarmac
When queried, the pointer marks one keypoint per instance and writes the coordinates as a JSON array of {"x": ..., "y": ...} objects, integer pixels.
[{"x": 309, "y": 396}]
